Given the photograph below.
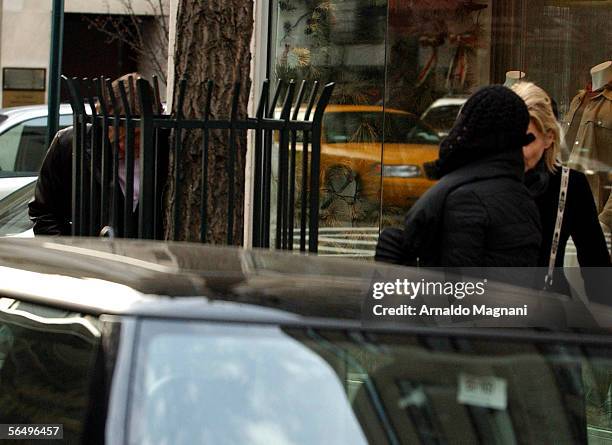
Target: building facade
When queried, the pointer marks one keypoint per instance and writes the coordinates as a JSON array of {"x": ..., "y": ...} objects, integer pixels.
[
  {"x": 404, "y": 68},
  {"x": 25, "y": 29}
]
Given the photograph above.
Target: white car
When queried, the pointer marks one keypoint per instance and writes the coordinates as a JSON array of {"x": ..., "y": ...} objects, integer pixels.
[
  {"x": 14, "y": 218},
  {"x": 22, "y": 143},
  {"x": 10, "y": 184},
  {"x": 442, "y": 113}
]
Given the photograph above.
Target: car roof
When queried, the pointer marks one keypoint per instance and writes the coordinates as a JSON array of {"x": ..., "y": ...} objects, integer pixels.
[
  {"x": 148, "y": 274},
  {"x": 333, "y": 108},
  {"x": 15, "y": 115},
  {"x": 342, "y": 108},
  {"x": 195, "y": 281},
  {"x": 33, "y": 110},
  {"x": 446, "y": 101}
]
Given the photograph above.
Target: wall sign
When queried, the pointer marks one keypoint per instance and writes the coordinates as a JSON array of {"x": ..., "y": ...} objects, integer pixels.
[{"x": 23, "y": 86}]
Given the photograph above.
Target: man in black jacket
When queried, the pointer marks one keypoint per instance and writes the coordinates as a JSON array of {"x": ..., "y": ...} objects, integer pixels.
[{"x": 51, "y": 208}]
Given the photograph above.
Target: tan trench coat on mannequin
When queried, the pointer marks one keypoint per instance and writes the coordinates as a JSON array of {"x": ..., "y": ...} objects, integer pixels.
[{"x": 591, "y": 151}]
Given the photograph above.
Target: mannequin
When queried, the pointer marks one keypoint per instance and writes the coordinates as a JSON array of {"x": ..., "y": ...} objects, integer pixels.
[
  {"x": 605, "y": 217},
  {"x": 513, "y": 77},
  {"x": 601, "y": 75},
  {"x": 588, "y": 126}
]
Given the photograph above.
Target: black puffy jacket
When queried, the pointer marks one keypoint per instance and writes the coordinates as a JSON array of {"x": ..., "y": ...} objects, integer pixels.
[
  {"x": 479, "y": 215},
  {"x": 579, "y": 222}
]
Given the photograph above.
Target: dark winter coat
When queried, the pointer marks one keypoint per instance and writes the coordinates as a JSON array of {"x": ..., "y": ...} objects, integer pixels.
[
  {"x": 51, "y": 208},
  {"x": 579, "y": 221},
  {"x": 478, "y": 215}
]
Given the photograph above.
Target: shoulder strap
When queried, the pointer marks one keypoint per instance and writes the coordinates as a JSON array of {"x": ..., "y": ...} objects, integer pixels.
[{"x": 557, "y": 233}]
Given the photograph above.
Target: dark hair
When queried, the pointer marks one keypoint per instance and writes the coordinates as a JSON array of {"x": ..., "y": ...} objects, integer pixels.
[{"x": 129, "y": 83}]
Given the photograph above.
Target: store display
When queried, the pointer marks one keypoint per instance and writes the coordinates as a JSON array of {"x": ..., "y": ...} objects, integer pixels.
[
  {"x": 588, "y": 126},
  {"x": 601, "y": 75},
  {"x": 513, "y": 77},
  {"x": 605, "y": 217}
]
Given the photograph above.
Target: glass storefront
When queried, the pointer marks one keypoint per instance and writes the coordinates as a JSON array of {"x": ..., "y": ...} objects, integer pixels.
[{"x": 403, "y": 70}]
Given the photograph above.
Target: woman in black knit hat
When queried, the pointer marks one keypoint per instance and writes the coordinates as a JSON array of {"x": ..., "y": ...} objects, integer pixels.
[{"x": 479, "y": 213}]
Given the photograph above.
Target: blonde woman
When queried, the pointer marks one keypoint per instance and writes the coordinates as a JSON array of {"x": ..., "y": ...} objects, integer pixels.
[{"x": 543, "y": 178}]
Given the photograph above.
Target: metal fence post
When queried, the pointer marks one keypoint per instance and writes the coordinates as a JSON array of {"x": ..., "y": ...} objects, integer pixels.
[
  {"x": 55, "y": 64},
  {"x": 313, "y": 231},
  {"x": 105, "y": 169},
  {"x": 267, "y": 169},
  {"x": 177, "y": 152},
  {"x": 128, "y": 207},
  {"x": 79, "y": 121},
  {"x": 146, "y": 196},
  {"x": 283, "y": 167},
  {"x": 231, "y": 159},
  {"x": 115, "y": 160},
  {"x": 258, "y": 167},
  {"x": 292, "y": 164},
  {"x": 305, "y": 169},
  {"x": 94, "y": 164}
]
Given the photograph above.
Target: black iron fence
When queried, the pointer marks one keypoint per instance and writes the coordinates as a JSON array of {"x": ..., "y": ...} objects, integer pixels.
[{"x": 280, "y": 133}]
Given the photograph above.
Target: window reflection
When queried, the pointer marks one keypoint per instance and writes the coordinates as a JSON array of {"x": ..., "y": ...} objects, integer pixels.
[
  {"x": 423, "y": 59},
  {"x": 47, "y": 359},
  {"x": 239, "y": 384},
  {"x": 344, "y": 42}
]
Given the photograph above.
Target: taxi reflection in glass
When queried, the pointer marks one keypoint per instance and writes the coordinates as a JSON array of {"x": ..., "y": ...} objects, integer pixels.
[{"x": 352, "y": 150}]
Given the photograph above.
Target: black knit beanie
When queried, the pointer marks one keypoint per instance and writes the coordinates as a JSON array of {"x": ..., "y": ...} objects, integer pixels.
[{"x": 493, "y": 120}]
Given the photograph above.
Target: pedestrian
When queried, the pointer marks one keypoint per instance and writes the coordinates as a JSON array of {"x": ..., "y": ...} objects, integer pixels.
[
  {"x": 51, "y": 208},
  {"x": 480, "y": 212},
  {"x": 544, "y": 178}
]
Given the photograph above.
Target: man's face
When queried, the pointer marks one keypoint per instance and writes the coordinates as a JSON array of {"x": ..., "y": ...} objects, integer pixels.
[{"x": 122, "y": 134}]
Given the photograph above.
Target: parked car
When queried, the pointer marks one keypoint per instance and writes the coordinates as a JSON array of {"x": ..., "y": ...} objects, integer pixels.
[
  {"x": 441, "y": 114},
  {"x": 22, "y": 137},
  {"x": 359, "y": 165},
  {"x": 22, "y": 143},
  {"x": 132, "y": 342},
  {"x": 11, "y": 184}
]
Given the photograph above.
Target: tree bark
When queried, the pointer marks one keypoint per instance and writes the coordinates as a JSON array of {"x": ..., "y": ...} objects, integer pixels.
[{"x": 212, "y": 42}]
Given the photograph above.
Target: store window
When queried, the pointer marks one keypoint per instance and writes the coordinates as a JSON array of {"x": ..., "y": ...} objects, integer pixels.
[
  {"x": 344, "y": 42},
  {"x": 403, "y": 71}
]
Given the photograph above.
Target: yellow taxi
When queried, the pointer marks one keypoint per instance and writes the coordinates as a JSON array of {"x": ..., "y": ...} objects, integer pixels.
[{"x": 367, "y": 148}]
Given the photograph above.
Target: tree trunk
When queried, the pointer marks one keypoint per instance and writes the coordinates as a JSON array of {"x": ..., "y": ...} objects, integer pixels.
[{"x": 212, "y": 42}]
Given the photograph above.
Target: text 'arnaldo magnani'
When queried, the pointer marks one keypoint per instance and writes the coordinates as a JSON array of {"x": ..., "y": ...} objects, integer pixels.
[
  {"x": 486, "y": 297},
  {"x": 406, "y": 298}
]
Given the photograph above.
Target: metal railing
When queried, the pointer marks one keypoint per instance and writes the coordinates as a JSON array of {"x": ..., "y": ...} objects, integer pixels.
[{"x": 96, "y": 197}]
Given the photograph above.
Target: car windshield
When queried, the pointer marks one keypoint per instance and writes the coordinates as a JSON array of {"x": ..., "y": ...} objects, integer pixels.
[
  {"x": 368, "y": 127},
  {"x": 442, "y": 118},
  {"x": 14, "y": 217},
  {"x": 225, "y": 383}
]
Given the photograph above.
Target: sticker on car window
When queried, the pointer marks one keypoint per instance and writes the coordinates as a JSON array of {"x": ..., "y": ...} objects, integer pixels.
[{"x": 482, "y": 391}]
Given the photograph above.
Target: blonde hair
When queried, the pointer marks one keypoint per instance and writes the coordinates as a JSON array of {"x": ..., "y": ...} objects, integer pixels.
[{"x": 541, "y": 114}]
